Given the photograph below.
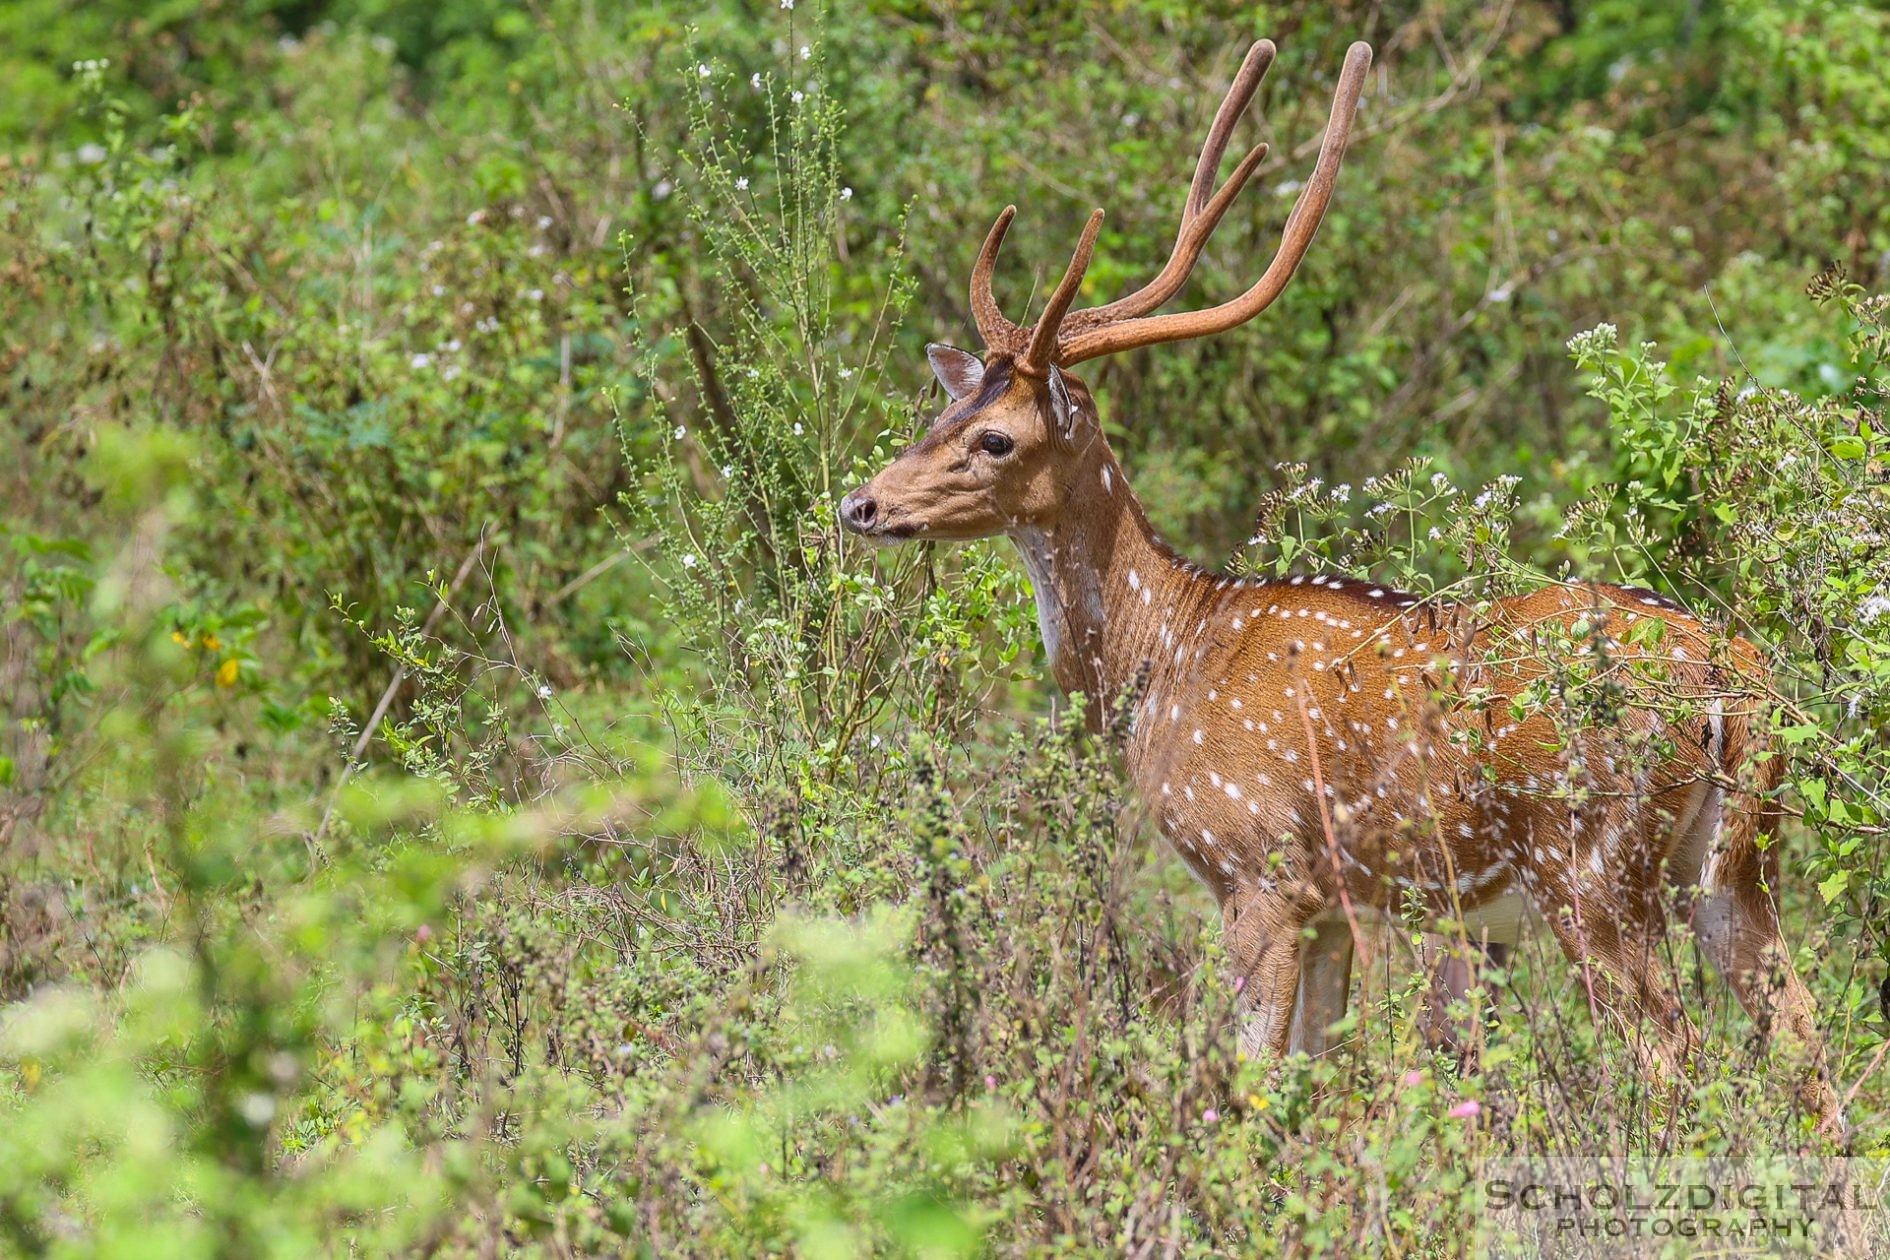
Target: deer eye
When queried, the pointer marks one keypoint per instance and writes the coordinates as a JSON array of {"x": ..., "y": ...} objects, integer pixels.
[{"x": 995, "y": 443}]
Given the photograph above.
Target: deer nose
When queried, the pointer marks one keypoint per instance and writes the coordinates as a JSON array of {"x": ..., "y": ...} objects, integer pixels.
[{"x": 859, "y": 510}]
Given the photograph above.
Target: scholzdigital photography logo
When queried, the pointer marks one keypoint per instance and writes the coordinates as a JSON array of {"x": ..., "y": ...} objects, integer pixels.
[{"x": 1617, "y": 1206}]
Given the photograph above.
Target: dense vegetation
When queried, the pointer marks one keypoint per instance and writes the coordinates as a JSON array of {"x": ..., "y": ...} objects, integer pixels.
[{"x": 459, "y": 789}]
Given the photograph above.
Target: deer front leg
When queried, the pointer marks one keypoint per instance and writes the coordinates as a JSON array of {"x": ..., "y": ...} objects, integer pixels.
[
  {"x": 1325, "y": 985},
  {"x": 1455, "y": 967},
  {"x": 1262, "y": 933}
]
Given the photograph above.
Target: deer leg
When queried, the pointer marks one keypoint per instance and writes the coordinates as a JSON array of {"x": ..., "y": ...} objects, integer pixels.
[
  {"x": 1262, "y": 934},
  {"x": 1617, "y": 955},
  {"x": 1455, "y": 968},
  {"x": 1325, "y": 985},
  {"x": 1737, "y": 926},
  {"x": 1739, "y": 931}
]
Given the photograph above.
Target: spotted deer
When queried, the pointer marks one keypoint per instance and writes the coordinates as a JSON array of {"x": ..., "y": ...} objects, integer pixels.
[{"x": 1322, "y": 750}]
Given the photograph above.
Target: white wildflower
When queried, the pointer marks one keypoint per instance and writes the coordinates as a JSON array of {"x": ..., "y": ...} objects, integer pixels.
[
  {"x": 797, "y": 97},
  {"x": 257, "y": 1107},
  {"x": 681, "y": 432},
  {"x": 846, "y": 194},
  {"x": 689, "y": 560},
  {"x": 806, "y": 52},
  {"x": 703, "y": 71},
  {"x": 1873, "y": 608},
  {"x": 741, "y": 184},
  {"x": 754, "y": 80},
  {"x": 419, "y": 361}
]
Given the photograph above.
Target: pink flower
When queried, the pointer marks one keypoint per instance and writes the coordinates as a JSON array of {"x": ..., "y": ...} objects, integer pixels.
[
  {"x": 1467, "y": 1108},
  {"x": 1210, "y": 1116},
  {"x": 423, "y": 934},
  {"x": 1413, "y": 1079},
  {"x": 1240, "y": 983},
  {"x": 990, "y": 1082}
]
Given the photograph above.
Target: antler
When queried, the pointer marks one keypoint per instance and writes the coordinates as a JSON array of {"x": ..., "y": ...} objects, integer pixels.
[
  {"x": 1043, "y": 341},
  {"x": 992, "y": 326},
  {"x": 1301, "y": 225},
  {"x": 1127, "y": 322},
  {"x": 1200, "y": 214}
]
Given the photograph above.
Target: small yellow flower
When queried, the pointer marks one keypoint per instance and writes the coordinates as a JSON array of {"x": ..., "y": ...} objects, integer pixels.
[
  {"x": 213, "y": 643},
  {"x": 181, "y": 639},
  {"x": 226, "y": 673},
  {"x": 1256, "y": 1102}
]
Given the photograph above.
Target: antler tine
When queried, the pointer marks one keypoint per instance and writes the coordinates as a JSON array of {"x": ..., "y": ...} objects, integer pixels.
[
  {"x": 1200, "y": 213},
  {"x": 997, "y": 331},
  {"x": 1240, "y": 93},
  {"x": 1043, "y": 339},
  {"x": 1295, "y": 238}
]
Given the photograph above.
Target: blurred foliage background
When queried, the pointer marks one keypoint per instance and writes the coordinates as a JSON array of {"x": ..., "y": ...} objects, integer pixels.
[{"x": 460, "y": 792}]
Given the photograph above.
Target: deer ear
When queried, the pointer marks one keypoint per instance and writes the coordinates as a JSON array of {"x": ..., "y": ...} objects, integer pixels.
[
  {"x": 1062, "y": 411},
  {"x": 959, "y": 371}
]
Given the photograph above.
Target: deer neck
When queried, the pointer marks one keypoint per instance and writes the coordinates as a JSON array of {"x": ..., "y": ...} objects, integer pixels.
[{"x": 1107, "y": 587}]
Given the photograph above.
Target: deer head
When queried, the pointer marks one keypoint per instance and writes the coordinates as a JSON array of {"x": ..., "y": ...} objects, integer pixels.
[{"x": 1016, "y": 443}]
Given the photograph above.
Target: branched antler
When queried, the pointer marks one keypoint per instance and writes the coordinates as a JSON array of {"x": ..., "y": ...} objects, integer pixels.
[{"x": 1062, "y": 337}]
